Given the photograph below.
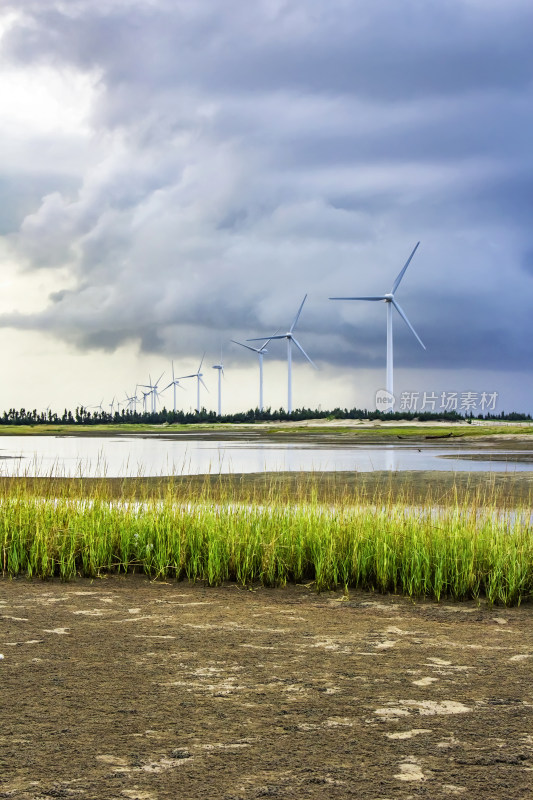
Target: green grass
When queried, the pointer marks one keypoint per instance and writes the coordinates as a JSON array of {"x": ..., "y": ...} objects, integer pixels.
[
  {"x": 371, "y": 431},
  {"x": 214, "y": 532},
  {"x": 374, "y": 431}
]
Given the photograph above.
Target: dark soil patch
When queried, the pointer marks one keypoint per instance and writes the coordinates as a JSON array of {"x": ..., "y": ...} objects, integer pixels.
[{"x": 122, "y": 688}]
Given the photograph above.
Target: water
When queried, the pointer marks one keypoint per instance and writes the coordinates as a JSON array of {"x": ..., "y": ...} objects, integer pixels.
[{"x": 162, "y": 455}]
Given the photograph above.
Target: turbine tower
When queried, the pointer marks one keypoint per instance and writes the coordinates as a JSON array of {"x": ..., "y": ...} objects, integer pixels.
[
  {"x": 260, "y": 352},
  {"x": 220, "y": 369},
  {"x": 390, "y": 300},
  {"x": 199, "y": 380},
  {"x": 174, "y": 382},
  {"x": 290, "y": 339},
  {"x": 145, "y": 395}
]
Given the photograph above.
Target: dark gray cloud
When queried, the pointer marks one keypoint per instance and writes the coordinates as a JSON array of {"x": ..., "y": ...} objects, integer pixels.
[
  {"x": 247, "y": 153},
  {"x": 380, "y": 49}
]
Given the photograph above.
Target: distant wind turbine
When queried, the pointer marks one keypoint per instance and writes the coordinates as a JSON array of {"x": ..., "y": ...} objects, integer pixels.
[
  {"x": 145, "y": 395},
  {"x": 152, "y": 391},
  {"x": 290, "y": 339},
  {"x": 390, "y": 300},
  {"x": 199, "y": 380},
  {"x": 220, "y": 369},
  {"x": 261, "y": 351},
  {"x": 174, "y": 382},
  {"x": 131, "y": 401}
]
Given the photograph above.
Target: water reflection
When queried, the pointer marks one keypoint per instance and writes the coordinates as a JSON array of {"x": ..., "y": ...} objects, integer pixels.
[{"x": 135, "y": 455}]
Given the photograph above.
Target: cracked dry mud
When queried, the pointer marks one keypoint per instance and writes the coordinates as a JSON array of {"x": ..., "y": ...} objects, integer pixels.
[{"x": 122, "y": 688}]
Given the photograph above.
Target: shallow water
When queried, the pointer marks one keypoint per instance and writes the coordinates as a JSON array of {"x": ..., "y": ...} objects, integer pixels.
[{"x": 146, "y": 456}]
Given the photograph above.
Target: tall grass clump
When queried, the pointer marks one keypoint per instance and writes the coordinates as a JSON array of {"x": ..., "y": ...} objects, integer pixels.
[{"x": 207, "y": 532}]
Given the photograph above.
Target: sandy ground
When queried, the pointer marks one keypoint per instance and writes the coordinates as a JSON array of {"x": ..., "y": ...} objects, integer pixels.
[{"x": 122, "y": 688}]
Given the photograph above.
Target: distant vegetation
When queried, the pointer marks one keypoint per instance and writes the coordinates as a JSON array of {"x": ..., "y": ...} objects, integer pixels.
[{"x": 83, "y": 416}]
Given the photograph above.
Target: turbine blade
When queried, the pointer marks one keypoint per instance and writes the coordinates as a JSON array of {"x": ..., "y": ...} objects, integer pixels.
[
  {"x": 202, "y": 382},
  {"x": 402, "y": 315},
  {"x": 381, "y": 297},
  {"x": 157, "y": 381},
  {"x": 262, "y": 348},
  {"x": 299, "y": 346},
  {"x": 201, "y": 362},
  {"x": 262, "y": 338},
  {"x": 402, "y": 273},
  {"x": 297, "y": 317},
  {"x": 253, "y": 349}
]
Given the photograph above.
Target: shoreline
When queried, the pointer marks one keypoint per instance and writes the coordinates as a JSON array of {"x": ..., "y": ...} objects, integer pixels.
[{"x": 365, "y": 431}]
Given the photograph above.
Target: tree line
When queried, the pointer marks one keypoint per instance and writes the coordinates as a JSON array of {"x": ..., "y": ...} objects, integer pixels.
[{"x": 82, "y": 416}]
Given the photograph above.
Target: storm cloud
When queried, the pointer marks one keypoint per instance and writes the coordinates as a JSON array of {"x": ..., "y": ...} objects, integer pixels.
[{"x": 227, "y": 158}]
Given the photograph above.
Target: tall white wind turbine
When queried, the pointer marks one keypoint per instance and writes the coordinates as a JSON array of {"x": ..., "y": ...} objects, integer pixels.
[
  {"x": 199, "y": 380},
  {"x": 261, "y": 351},
  {"x": 220, "y": 370},
  {"x": 290, "y": 339},
  {"x": 390, "y": 300}
]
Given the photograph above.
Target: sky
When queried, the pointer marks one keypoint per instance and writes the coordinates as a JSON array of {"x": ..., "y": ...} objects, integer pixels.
[{"x": 177, "y": 174}]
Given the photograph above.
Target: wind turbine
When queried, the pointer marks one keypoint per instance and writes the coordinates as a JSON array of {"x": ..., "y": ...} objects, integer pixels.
[
  {"x": 174, "y": 382},
  {"x": 157, "y": 394},
  {"x": 260, "y": 352},
  {"x": 145, "y": 395},
  {"x": 390, "y": 300},
  {"x": 220, "y": 368},
  {"x": 131, "y": 401},
  {"x": 199, "y": 380},
  {"x": 153, "y": 391},
  {"x": 290, "y": 339}
]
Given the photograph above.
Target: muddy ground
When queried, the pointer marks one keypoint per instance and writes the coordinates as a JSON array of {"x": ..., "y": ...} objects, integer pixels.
[
  {"x": 122, "y": 688},
  {"x": 505, "y": 489}
]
